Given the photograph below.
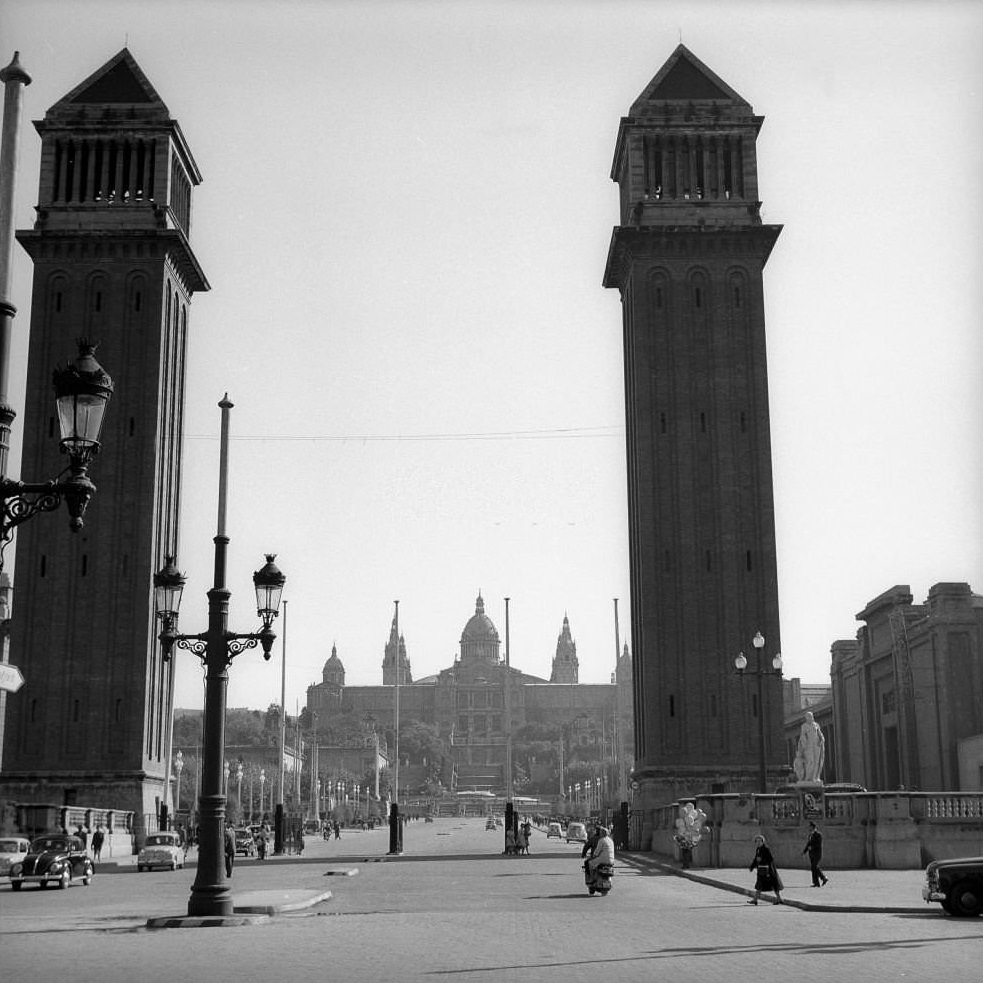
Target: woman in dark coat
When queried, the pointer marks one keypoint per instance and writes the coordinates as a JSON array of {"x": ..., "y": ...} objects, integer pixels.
[{"x": 767, "y": 878}]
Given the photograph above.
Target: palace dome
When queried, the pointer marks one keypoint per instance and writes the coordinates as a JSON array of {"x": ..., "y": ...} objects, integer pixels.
[{"x": 479, "y": 627}]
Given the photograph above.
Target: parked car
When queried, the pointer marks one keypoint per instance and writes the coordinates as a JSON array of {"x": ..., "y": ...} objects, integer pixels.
[
  {"x": 554, "y": 829},
  {"x": 490, "y": 823},
  {"x": 577, "y": 831},
  {"x": 52, "y": 859},
  {"x": 245, "y": 842},
  {"x": 161, "y": 850},
  {"x": 12, "y": 848},
  {"x": 956, "y": 884}
]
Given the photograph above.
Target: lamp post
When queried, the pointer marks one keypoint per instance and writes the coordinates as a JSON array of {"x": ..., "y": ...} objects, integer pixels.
[
  {"x": 178, "y": 768},
  {"x": 262, "y": 792},
  {"x": 239, "y": 788},
  {"x": 740, "y": 663},
  {"x": 225, "y": 778},
  {"x": 82, "y": 393},
  {"x": 216, "y": 647}
]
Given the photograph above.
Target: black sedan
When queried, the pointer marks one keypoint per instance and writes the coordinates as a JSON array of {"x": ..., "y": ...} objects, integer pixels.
[
  {"x": 957, "y": 885},
  {"x": 52, "y": 859}
]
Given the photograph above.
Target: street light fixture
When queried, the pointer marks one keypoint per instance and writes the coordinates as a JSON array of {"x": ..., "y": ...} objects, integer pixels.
[
  {"x": 216, "y": 647},
  {"x": 239, "y": 788},
  {"x": 178, "y": 768},
  {"x": 82, "y": 393},
  {"x": 740, "y": 663}
]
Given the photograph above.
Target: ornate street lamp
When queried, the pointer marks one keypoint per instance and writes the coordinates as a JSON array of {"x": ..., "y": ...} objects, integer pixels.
[
  {"x": 239, "y": 784},
  {"x": 82, "y": 393},
  {"x": 216, "y": 647},
  {"x": 740, "y": 664},
  {"x": 262, "y": 792}
]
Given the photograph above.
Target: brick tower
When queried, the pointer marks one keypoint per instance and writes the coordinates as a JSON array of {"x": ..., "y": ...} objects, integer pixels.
[
  {"x": 112, "y": 262},
  {"x": 687, "y": 258}
]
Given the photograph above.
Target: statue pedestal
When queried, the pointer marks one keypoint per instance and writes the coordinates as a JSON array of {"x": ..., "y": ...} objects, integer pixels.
[{"x": 810, "y": 799}]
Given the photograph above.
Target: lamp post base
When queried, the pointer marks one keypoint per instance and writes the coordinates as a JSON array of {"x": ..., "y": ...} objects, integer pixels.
[{"x": 210, "y": 900}]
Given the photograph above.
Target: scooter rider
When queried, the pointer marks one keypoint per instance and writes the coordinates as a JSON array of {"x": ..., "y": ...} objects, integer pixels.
[{"x": 603, "y": 852}]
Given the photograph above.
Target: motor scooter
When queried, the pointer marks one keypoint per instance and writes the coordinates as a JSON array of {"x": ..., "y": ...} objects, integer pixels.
[{"x": 598, "y": 880}]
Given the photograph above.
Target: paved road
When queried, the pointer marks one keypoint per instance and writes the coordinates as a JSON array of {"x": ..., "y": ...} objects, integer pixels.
[{"x": 453, "y": 909}]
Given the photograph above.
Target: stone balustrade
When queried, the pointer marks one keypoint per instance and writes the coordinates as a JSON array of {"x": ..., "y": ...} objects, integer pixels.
[{"x": 897, "y": 830}]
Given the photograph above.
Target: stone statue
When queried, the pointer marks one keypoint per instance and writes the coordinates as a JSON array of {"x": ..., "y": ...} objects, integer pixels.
[{"x": 811, "y": 751}]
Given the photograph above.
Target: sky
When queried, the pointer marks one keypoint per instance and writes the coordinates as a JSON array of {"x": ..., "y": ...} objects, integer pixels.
[{"x": 404, "y": 218}]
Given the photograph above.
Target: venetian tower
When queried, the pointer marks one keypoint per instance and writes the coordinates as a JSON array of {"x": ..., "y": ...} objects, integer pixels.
[
  {"x": 687, "y": 258},
  {"x": 112, "y": 262}
]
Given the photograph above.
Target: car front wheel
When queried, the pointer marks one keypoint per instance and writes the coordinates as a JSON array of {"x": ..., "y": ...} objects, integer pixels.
[
  {"x": 966, "y": 899},
  {"x": 15, "y": 885},
  {"x": 63, "y": 883}
]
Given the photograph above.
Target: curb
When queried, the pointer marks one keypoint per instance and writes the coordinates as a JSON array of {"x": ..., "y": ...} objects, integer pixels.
[
  {"x": 786, "y": 902},
  {"x": 208, "y": 921},
  {"x": 251, "y": 908}
]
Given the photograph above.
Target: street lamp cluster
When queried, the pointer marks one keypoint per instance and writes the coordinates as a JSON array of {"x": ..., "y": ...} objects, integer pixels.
[
  {"x": 216, "y": 648},
  {"x": 334, "y": 793},
  {"x": 760, "y": 671},
  {"x": 588, "y": 793}
]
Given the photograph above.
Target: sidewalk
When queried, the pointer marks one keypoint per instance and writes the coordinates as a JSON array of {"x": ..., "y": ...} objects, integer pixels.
[{"x": 888, "y": 891}]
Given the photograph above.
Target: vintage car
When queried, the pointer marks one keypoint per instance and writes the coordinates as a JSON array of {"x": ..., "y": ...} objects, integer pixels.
[
  {"x": 577, "y": 832},
  {"x": 53, "y": 859},
  {"x": 12, "y": 848},
  {"x": 245, "y": 842},
  {"x": 956, "y": 884},
  {"x": 161, "y": 850},
  {"x": 554, "y": 829},
  {"x": 490, "y": 823}
]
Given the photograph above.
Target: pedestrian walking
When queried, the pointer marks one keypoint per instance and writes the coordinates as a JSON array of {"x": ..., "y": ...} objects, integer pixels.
[
  {"x": 84, "y": 837},
  {"x": 527, "y": 833},
  {"x": 337, "y": 830},
  {"x": 98, "y": 837},
  {"x": 814, "y": 848},
  {"x": 230, "y": 849},
  {"x": 767, "y": 878}
]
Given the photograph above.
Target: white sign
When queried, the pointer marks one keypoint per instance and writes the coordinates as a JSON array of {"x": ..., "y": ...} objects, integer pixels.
[{"x": 11, "y": 678}]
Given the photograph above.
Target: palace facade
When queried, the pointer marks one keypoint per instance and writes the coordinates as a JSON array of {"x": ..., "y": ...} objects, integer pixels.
[{"x": 480, "y": 699}]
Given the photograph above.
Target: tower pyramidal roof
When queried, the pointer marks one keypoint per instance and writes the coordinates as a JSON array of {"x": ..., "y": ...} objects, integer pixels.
[
  {"x": 684, "y": 78},
  {"x": 119, "y": 82}
]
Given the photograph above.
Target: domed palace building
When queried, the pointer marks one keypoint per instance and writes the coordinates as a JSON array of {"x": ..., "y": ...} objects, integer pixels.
[{"x": 473, "y": 704}]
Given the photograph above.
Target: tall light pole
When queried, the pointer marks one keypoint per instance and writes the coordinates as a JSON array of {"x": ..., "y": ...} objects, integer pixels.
[
  {"x": 395, "y": 823},
  {"x": 279, "y": 819},
  {"x": 216, "y": 647},
  {"x": 262, "y": 793},
  {"x": 239, "y": 792},
  {"x": 14, "y": 78},
  {"x": 178, "y": 768},
  {"x": 740, "y": 663}
]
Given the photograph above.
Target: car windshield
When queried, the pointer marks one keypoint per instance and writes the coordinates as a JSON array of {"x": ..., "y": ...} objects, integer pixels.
[
  {"x": 162, "y": 839},
  {"x": 43, "y": 843},
  {"x": 11, "y": 846}
]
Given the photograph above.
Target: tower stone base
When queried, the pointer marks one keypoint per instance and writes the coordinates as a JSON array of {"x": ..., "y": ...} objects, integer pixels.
[{"x": 656, "y": 787}]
